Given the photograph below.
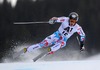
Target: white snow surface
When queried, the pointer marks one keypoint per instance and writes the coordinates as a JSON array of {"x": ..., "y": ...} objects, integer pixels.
[
  {"x": 65, "y": 59},
  {"x": 58, "y": 65}
]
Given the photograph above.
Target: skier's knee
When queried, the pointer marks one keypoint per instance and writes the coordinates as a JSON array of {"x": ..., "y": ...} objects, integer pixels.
[
  {"x": 63, "y": 44},
  {"x": 44, "y": 43}
]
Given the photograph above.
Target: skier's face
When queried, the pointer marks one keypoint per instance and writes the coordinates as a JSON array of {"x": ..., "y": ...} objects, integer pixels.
[{"x": 72, "y": 22}]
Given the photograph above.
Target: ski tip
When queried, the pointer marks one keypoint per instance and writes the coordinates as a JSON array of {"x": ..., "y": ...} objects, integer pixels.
[{"x": 34, "y": 60}]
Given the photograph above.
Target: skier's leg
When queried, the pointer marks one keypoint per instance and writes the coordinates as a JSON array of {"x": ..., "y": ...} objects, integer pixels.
[
  {"x": 45, "y": 43},
  {"x": 50, "y": 40},
  {"x": 33, "y": 47},
  {"x": 57, "y": 46}
]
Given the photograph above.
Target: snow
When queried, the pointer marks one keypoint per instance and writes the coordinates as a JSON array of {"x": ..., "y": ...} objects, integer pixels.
[
  {"x": 91, "y": 63},
  {"x": 71, "y": 60},
  {"x": 60, "y": 65}
]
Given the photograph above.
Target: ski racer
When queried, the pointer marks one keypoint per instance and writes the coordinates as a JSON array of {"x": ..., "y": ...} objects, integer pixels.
[{"x": 59, "y": 38}]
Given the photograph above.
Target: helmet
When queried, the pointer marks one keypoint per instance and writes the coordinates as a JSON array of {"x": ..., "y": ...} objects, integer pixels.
[{"x": 73, "y": 15}]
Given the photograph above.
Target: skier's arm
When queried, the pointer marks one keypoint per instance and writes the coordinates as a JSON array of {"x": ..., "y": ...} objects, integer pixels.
[
  {"x": 57, "y": 19},
  {"x": 82, "y": 38}
]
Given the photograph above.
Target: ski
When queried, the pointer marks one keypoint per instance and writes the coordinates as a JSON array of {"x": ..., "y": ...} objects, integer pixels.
[
  {"x": 40, "y": 56},
  {"x": 17, "y": 54}
]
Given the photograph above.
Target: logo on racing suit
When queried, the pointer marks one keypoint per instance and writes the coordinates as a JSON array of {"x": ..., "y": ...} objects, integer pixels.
[{"x": 67, "y": 30}]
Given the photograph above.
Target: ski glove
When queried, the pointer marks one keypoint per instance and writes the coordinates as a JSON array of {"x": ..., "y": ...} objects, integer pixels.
[
  {"x": 82, "y": 48},
  {"x": 51, "y": 21}
]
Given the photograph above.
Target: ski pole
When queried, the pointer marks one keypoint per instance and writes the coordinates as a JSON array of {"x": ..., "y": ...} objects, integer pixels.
[{"x": 42, "y": 22}]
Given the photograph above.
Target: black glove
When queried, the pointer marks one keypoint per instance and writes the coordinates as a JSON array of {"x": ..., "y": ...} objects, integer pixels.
[{"x": 82, "y": 48}]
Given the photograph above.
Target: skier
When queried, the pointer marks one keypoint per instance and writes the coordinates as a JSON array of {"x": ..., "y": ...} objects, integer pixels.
[{"x": 58, "y": 39}]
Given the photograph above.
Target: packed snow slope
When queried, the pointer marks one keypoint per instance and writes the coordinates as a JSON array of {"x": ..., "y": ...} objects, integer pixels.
[{"x": 65, "y": 59}]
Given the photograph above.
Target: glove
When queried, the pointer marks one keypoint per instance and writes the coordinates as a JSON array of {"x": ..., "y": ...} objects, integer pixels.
[
  {"x": 51, "y": 21},
  {"x": 49, "y": 51},
  {"x": 82, "y": 48}
]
